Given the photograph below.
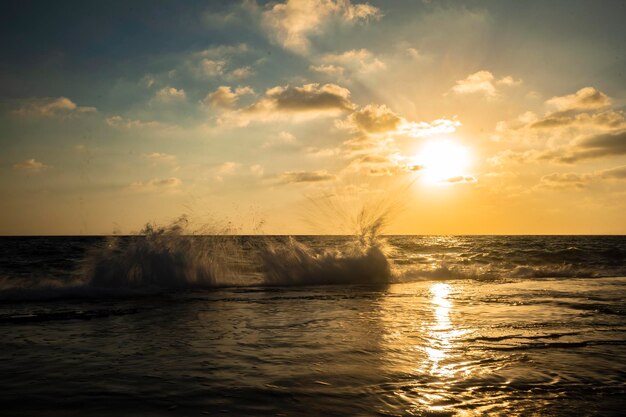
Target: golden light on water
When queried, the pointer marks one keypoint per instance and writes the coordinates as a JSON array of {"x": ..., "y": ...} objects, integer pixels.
[
  {"x": 441, "y": 331},
  {"x": 425, "y": 339}
]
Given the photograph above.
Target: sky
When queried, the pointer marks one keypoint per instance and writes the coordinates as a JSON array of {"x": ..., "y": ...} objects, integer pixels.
[{"x": 468, "y": 117}]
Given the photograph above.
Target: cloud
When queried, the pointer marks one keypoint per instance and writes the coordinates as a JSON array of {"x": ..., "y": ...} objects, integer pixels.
[
  {"x": 170, "y": 95},
  {"x": 60, "y": 107},
  {"x": 291, "y": 23},
  {"x": 479, "y": 82},
  {"x": 30, "y": 166},
  {"x": 602, "y": 145},
  {"x": 160, "y": 157},
  {"x": 583, "y": 99},
  {"x": 606, "y": 120},
  {"x": 596, "y": 146},
  {"x": 256, "y": 170},
  {"x": 328, "y": 69},
  {"x": 380, "y": 119},
  {"x": 356, "y": 60},
  {"x": 122, "y": 122},
  {"x": 224, "y": 97},
  {"x": 321, "y": 152},
  {"x": 618, "y": 173},
  {"x": 577, "y": 127},
  {"x": 508, "y": 81},
  {"x": 373, "y": 119},
  {"x": 563, "y": 181},
  {"x": 226, "y": 169},
  {"x": 377, "y": 164},
  {"x": 215, "y": 61},
  {"x": 461, "y": 179},
  {"x": 211, "y": 67},
  {"x": 414, "y": 53},
  {"x": 156, "y": 184},
  {"x": 579, "y": 181},
  {"x": 241, "y": 72},
  {"x": 296, "y": 103},
  {"x": 309, "y": 97},
  {"x": 483, "y": 82},
  {"x": 292, "y": 177},
  {"x": 284, "y": 140}
]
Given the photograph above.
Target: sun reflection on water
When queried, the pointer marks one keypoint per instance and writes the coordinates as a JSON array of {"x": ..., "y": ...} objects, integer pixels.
[
  {"x": 440, "y": 332},
  {"x": 424, "y": 340}
]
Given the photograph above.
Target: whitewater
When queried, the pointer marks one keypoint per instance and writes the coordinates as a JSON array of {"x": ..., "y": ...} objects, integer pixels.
[{"x": 169, "y": 322}]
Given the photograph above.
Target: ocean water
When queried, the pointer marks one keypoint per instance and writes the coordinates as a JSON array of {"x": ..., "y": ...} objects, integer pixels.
[{"x": 170, "y": 324}]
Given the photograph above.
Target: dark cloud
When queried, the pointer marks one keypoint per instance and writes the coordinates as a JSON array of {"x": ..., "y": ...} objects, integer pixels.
[
  {"x": 604, "y": 120},
  {"x": 308, "y": 98},
  {"x": 618, "y": 173},
  {"x": 374, "y": 119},
  {"x": 291, "y": 177},
  {"x": 597, "y": 146},
  {"x": 568, "y": 180}
]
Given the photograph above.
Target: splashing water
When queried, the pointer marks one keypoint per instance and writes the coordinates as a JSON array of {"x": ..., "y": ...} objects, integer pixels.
[
  {"x": 166, "y": 257},
  {"x": 172, "y": 258}
]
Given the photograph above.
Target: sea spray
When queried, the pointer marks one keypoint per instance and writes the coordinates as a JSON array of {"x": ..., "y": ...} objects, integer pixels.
[
  {"x": 167, "y": 257},
  {"x": 361, "y": 259},
  {"x": 293, "y": 263}
]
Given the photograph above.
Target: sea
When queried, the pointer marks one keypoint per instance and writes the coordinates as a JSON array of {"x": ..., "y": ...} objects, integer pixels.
[{"x": 171, "y": 324}]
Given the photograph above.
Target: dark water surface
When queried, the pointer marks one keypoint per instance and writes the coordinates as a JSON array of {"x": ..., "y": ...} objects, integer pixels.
[{"x": 464, "y": 326}]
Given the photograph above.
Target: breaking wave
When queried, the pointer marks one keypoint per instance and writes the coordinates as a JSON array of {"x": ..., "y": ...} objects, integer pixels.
[{"x": 173, "y": 257}]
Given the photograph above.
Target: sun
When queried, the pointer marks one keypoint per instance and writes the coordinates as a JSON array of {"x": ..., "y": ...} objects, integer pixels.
[{"x": 443, "y": 161}]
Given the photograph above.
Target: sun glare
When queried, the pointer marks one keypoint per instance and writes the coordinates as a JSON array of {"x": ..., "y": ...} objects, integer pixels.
[{"x": 443, "y": 161}]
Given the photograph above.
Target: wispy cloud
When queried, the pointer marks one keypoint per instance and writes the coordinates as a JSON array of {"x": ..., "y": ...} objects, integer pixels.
[
  {"x": 31, "y": 166},
  {"x": 170, "y": 95},
  {"x": 60, "y": 107},
  {"x": 156, "y": 184}
]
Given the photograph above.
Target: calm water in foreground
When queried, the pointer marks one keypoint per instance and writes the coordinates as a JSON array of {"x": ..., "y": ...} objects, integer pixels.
[{"x": 466, "y": 326}]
